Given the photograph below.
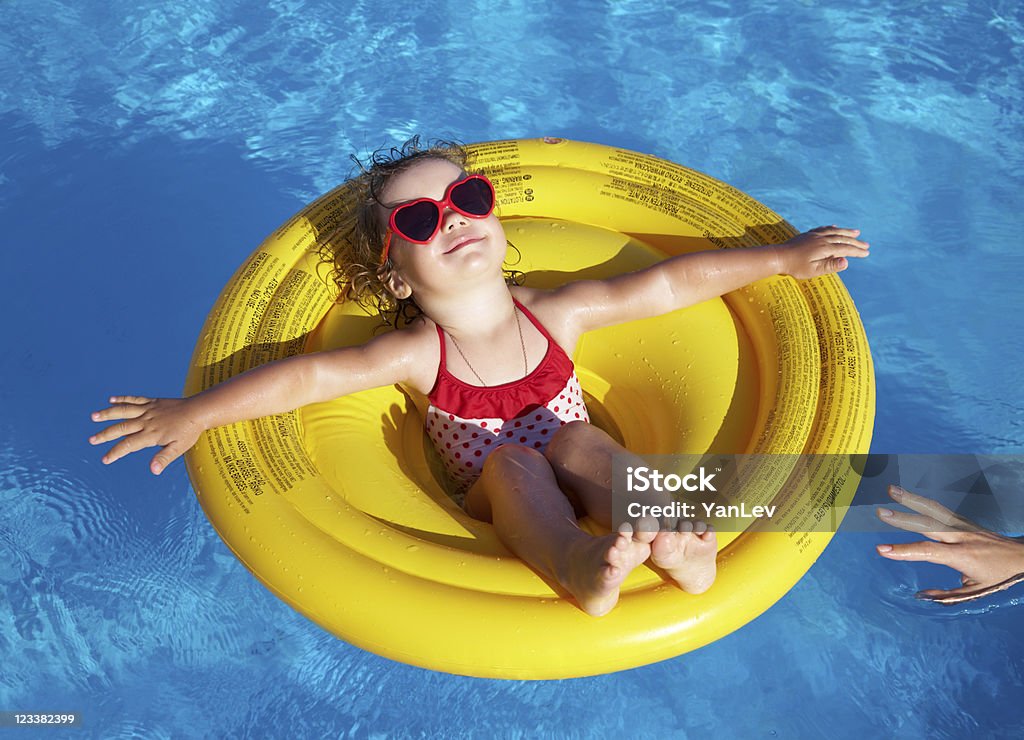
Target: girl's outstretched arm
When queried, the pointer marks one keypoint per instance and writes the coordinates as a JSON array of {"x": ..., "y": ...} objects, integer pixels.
[
  {"x": 692, "y": 278},
  {"x": 174, "y": 424}
]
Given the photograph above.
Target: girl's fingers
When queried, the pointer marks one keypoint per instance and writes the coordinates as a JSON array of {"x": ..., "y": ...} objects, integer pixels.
[
  {"x": 837, "y": 230},
  {"x": 841, "y": 247},
  {"x": 130, "y": 399},
  {"x": 123, "y": 429},
  {"x": 850, "y": 247},
  {"x": 123, "y": 411},
  {"x": 128, "y": 445},
  {"x": 836, "y": 236},
  {"x": 932, "y": 509},
  {"x": 165, "y": 457},
  {"x": 833, "y": 264}
]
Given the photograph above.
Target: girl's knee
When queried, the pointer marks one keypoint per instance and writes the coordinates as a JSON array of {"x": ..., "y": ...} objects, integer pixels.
[
  {"x": 572, "y": 436},
  {"x": 510, "y": 458},
  {"x": 502, "y": 470}
]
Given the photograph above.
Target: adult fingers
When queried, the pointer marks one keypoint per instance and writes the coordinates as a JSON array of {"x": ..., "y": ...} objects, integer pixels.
[
  {"x": 931, "y": 508},
  {"x": 918, "y": 523},
  {"x": 953, "y": 595},
  {"x": 969, "y": 591},
  {"x": 932, "y": 552}
]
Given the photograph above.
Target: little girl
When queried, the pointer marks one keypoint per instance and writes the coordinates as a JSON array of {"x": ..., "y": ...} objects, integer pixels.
[{"x": 506, "y": 412}]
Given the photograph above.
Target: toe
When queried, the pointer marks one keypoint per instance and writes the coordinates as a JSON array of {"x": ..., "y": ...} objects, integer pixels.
[
  {"x": 614, "y": 555},
  {"x": 646, "y": 537},
  {"x": 664, "y": 545}
]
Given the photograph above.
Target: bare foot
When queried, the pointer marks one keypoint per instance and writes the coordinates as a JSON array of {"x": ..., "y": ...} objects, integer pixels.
[
  {"x": 687, "y": 555},
  {"x": 597, "y": 566}
]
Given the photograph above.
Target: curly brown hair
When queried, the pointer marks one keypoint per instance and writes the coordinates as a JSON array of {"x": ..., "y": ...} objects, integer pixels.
[{"x": 353, "y": 249}]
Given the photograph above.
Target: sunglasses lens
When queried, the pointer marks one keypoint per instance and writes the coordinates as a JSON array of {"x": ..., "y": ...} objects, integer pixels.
[
  {"x": 417, "y": 221},
  {"x": 473, "y": 196}
]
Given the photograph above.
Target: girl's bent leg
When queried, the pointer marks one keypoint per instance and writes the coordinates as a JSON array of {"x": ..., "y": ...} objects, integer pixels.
[
  {"x": 518, "y": 492},
  {"x": 580, "y": 455}
]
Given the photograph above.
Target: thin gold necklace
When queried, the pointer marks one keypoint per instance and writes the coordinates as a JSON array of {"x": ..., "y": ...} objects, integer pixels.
[{"x": 522, "y": 344}]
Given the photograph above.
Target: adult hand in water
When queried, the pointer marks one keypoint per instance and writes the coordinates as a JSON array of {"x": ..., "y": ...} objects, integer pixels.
[{"x": 987, "y": 562}]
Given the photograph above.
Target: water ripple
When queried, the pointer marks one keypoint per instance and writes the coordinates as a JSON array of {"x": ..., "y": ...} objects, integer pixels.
[
  {"x": 88, "y": 590},
  {"x": 904, "y": 118}
]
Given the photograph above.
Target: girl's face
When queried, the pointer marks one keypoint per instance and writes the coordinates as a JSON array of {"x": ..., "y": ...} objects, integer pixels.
[{"x": 464, "y": 247}]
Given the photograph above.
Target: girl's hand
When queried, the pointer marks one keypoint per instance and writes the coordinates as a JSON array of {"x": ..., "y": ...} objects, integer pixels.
[
  {"x": 820, "y": 251},
  {"x": 150, "y": 422},
  {"x": 988, "y": 562}
]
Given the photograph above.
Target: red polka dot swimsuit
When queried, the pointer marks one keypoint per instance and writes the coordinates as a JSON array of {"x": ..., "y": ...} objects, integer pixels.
[{"x": 468, "y": 422}]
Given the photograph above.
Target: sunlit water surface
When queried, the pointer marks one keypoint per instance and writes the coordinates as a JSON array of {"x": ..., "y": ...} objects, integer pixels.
[{"x": 146, "y": 148}]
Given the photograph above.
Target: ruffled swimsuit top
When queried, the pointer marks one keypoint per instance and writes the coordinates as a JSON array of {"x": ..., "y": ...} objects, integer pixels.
[{"x": 468, "y": 422}]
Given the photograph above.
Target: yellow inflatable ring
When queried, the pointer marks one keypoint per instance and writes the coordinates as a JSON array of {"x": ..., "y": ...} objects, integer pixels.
[{"x": 336, "y": 507}]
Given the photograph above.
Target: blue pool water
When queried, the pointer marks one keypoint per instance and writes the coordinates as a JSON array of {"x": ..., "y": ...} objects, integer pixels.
[{"x": 146, "y": 148}]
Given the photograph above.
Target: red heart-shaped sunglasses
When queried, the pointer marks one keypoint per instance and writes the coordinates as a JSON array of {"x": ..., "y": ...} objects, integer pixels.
[{"x": 418, "y": 221}]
